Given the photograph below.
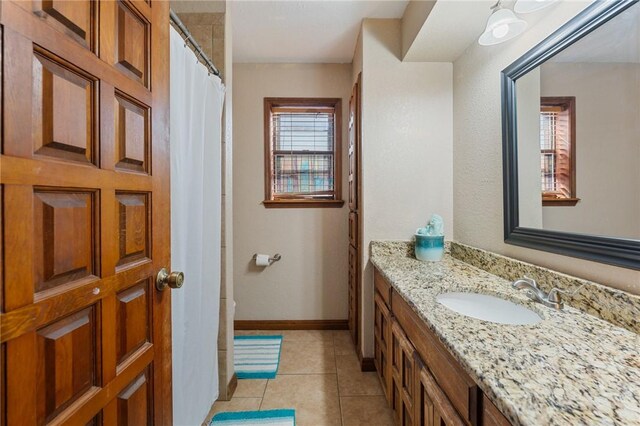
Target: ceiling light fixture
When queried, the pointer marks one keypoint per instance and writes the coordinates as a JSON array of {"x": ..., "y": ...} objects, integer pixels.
[
  {"x": 502, "y": 25},
  {"x": 528, "y": 6}
]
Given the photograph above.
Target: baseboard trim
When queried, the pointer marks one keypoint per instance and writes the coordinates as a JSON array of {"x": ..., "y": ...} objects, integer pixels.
[
  {"x": 232, "y": 386},
  {"x": 291, "y": 325},
  {"x": 367, "y": 364}
]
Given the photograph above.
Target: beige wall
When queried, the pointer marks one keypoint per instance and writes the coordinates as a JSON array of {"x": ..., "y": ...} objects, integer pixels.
[
  {"x": 607, "y": 147},
  {"x": 477, "y": 154},
  {"x": 356, "y": 63},
  {"x": 310, "y": 282},
  {"x": 406, "y": 147}
]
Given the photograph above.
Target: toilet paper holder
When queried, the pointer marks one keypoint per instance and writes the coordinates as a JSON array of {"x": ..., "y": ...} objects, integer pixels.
[{"x": 275, "y": 258}]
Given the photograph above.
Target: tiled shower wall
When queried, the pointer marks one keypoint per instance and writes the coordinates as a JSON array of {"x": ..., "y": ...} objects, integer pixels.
[{"x": 208, "y": 29}]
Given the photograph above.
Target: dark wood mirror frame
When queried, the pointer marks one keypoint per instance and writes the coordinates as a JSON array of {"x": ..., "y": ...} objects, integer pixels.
[{"x": 614, "y": 251}]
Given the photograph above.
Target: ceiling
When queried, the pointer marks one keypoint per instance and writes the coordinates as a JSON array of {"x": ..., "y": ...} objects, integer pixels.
[
  {"x": 307, "y": 31},
  {"x": 617, "y": 41}
]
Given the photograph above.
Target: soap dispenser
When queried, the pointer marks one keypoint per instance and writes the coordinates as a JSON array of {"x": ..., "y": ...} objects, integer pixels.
[{"x": 429, "y": 245}]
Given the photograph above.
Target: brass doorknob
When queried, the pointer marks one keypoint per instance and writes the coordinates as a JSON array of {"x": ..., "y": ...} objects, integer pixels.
[{"x": 166, "y": 279}]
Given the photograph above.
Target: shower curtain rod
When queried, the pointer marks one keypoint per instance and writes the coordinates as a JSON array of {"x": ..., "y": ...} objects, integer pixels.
[{"x": 188, "y": 38}]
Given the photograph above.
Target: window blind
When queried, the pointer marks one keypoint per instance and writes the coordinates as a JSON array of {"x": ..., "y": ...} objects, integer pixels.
[
  {"x": 303, "y": 149},
  {"x": 555, "y": 151}
]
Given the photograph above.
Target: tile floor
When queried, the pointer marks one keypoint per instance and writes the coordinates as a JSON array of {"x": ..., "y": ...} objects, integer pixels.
[{"x": 319, "y": 376}]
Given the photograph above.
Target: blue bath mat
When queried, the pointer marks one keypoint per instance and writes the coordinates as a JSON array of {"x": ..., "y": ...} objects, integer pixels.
[
  {"x": 256, "y": 357},
  {"x": 258, "y": 418}
]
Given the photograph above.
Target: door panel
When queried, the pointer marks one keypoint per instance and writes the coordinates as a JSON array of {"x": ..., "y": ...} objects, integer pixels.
[
  {"x": 63, "y": 109},
  {"x": 84, "y": 175},
  {"x": 135, "y": 402},
  {"x": 76, "y": 19},
  {"x": 67, "y": 362},
  {"x": 64, "y": 238},
  {"x": 132, "y": 134},
  {"x": 132, "y": 42},
  {"x": 133, "y": 315},
  {"x": 133, "y": 224}
]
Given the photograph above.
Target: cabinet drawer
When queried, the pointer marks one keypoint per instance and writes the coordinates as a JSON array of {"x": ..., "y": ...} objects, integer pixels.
[
  {"x": 382, "y": 286},
  {"x": 459, "y": 388}
]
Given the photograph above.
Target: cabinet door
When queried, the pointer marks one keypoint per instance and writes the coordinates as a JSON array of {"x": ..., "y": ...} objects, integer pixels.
[
  {"x": 353, "y": 294},
  {"x": 402, "y": 372},
  {"x": 432, "y": 408},
  {"x": 491, "y": 416},
  {"x": 353, "y": 229},
  {"x": 354, "y": 135},
  {"x": 382, "y": 329}
]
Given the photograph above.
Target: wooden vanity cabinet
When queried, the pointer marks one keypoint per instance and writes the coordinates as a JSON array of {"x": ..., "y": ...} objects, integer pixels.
[
  {"x": 461, "y": 390},
  {"x": 424, "y": 384}
]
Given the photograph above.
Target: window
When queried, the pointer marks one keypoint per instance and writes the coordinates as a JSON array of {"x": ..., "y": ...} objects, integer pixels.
[
  {"x": 302, "y": 152},
  {"x": 557, "y": 151}
]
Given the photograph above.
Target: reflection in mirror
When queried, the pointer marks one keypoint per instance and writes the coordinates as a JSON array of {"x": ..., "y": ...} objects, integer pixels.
[{"x": 578, "y": 129}]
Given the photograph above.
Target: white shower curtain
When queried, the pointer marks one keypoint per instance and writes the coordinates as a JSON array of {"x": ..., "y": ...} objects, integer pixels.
[{"x": 196, "y": 133}]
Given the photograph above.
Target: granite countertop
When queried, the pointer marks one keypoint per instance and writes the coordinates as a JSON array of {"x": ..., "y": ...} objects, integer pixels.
[{"x": 571, "y": 368}]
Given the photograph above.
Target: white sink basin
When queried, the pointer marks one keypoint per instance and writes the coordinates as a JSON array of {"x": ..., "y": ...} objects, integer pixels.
[{"x": 488, "y": 308}]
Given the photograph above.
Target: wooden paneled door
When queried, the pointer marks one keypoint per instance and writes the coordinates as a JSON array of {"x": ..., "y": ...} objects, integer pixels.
[
  {"x": 85, "y": 212},
  {"x": 355, "y": 210}
]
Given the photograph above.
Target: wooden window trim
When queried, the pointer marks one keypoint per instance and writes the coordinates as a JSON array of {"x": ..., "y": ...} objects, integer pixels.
[
  {"x": 560, "y": 201},
  {"x": 568, "y": 102},
  {"x": 292, "y": 202}
]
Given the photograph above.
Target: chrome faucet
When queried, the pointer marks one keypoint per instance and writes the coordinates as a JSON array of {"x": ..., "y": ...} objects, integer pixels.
[{"x": 553, "y": 299}]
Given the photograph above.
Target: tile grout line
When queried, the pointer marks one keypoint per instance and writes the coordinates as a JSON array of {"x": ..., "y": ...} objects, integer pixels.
[
  {"x": 335, "y": 362},
  {"x": 264, "y": 392}
]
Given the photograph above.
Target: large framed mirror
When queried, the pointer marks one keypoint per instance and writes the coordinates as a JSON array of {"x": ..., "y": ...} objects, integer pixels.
[{"x": 571, "y": 139}]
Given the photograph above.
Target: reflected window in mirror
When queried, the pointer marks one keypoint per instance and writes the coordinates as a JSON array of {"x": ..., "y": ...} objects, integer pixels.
[{"x": 557, "y": 150}]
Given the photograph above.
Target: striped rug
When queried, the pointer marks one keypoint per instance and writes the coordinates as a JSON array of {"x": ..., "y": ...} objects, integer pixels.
[
  {"x": 261, "y": 418},
  {"x": 256, "y": 357}
]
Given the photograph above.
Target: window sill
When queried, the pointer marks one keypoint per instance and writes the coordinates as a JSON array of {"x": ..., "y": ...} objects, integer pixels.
[
  {"x": 293, "y": 204},
  {"x": 560, "y": 201}
]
